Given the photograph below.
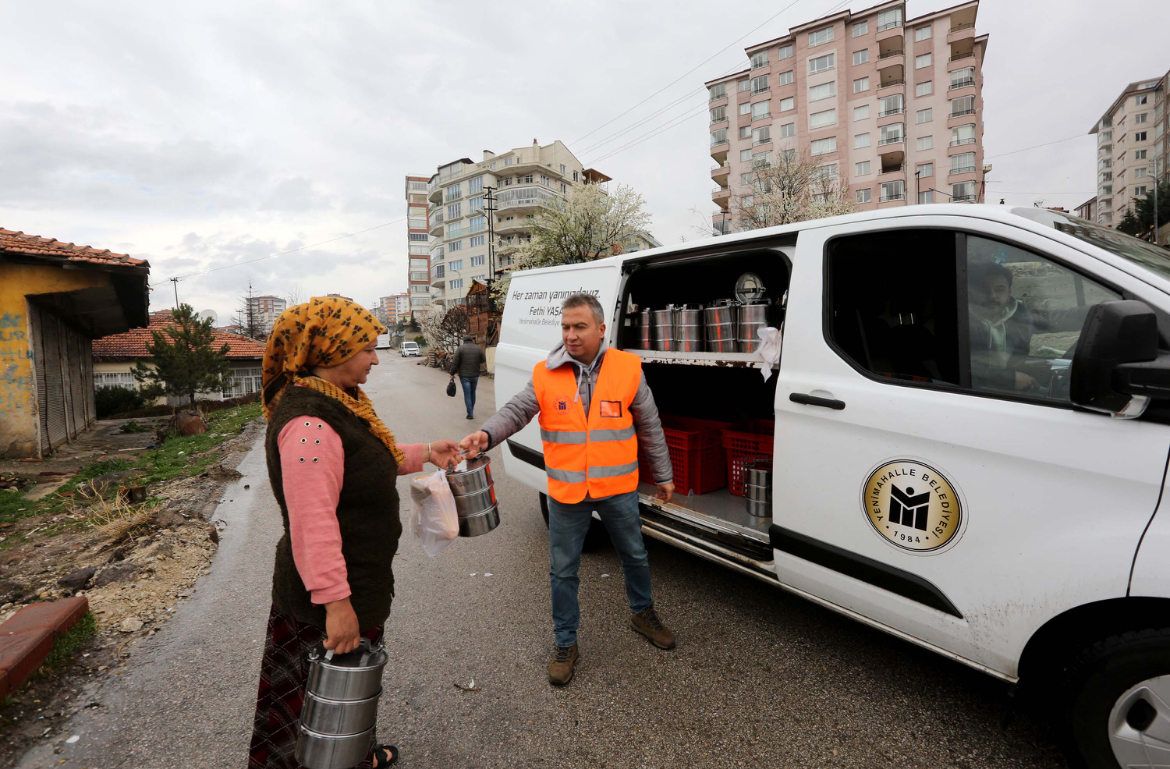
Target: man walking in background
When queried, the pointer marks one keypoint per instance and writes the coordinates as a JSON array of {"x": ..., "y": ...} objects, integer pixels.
[
  {"x": 465, "y": 364},
  {"x": 596, "y": 413}
]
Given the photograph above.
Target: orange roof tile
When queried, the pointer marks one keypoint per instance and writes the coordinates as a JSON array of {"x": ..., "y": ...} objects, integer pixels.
[
  {"x": 34, "y": 245},
  {"x": 132, "y": 344}
]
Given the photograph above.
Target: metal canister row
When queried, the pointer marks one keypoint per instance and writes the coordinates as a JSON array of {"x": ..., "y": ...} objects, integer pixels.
[{"x": 723, "y": 326}]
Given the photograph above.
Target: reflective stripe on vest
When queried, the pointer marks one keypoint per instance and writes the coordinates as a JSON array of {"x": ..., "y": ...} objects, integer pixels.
[{"x": 589, "y": 453}]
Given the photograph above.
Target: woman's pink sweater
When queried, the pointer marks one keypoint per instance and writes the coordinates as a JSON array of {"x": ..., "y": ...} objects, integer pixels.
[{"x": 311, "y": 491}]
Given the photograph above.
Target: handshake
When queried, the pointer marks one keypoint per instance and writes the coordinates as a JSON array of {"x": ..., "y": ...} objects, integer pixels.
[{"x": 445, "y": 453}]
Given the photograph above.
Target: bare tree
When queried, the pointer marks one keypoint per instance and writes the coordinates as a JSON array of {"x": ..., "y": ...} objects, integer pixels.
[
  {"x": 294, "y": 294},
  {"x": 788, "y": 188},
  {"x": 247, "y": 319},
  {"x": 443, "y": 329}
]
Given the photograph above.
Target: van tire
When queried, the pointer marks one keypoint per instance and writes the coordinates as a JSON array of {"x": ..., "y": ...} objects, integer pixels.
[
  {"x": 1096, "y": 679},
  {"x": 595, "y": 539}
]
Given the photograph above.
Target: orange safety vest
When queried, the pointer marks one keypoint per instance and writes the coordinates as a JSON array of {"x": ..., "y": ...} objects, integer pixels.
[{"x": 595, "y": 454}]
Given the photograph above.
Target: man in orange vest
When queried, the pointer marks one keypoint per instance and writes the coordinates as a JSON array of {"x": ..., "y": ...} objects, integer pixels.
[{"x": 595, "y": 411}]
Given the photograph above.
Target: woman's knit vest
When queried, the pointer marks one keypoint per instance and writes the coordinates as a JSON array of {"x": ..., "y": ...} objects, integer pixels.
[{"x": 367, "y": 511}]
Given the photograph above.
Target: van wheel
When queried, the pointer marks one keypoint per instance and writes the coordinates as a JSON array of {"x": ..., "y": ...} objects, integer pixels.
[
  {"x": 595, "y": 539},
  {"x": 1119, "y": 709}
]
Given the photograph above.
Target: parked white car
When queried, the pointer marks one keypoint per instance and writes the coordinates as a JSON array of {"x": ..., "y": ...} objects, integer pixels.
[
  {"x": 410, "y": 348},
  {"x": 970, "y": 436}
]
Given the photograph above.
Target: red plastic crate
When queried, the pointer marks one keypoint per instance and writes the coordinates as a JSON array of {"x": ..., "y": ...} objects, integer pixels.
[
  {"x": 744, "y": 442},
  {"x": 696, "y": 451}
]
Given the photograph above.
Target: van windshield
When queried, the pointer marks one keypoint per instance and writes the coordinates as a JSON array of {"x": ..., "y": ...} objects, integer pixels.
[{"x": 1151, "y": 257}]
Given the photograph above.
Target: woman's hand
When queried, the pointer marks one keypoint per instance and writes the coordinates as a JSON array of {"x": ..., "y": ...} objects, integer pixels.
[
  {"x": 342, "y": 632},
  {"x": 475, "y": 444},
  {"x": 443, "y": 453}
]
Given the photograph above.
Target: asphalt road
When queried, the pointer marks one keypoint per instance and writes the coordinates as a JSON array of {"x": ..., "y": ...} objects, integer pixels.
[{"x": 760, "y": 678}]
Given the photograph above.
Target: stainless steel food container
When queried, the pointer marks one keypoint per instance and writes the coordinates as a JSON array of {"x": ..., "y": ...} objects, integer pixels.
[
  {"x": 752, "y": 315},
  {"x": 353, "y": 676},
  {"x": 326, "y": 716},
  {"x": 646, "y": 330},
  {"x": 664, "y": 330},
  {"x": 719, "y": 319},
  {"x": 471, "y": 476},
  {"x": 331, "y": 751},
  {"x": 758, "y": 509},
  {"x": 475, "y": 503},
  {"x": 758, "y": 472},
  {"x": 688, "y": 328},
  {"x": 758, "y": 493},
  {"x": 474, "y": 525}
]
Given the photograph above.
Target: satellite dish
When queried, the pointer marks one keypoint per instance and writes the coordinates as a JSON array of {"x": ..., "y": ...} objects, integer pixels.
[{"x": 205, "y": 314}]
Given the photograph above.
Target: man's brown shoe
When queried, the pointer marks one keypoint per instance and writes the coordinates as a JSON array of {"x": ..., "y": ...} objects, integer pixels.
[
  {"x": 560, "y": 670},
  {"x": 648, "y": 624}
]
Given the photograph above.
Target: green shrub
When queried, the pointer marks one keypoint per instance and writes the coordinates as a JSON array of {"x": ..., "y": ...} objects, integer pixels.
[
  {"x": 422, "y": 341},
  {"x": 114, "y": 400}
]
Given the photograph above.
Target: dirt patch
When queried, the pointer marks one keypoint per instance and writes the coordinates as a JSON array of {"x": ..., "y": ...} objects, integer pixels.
[{"x": 135, "y": 564}]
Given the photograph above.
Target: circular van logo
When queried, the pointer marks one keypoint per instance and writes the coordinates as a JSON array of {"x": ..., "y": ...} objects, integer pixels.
[{"x": 912, "y": 505}]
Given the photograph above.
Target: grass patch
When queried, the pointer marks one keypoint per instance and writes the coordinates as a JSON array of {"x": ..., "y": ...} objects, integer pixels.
[{"x": 134, "y": 427}]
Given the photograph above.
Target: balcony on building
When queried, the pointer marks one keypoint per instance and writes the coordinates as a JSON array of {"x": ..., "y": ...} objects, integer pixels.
[
  {"x": 962, "y": 25},
  {"x": 962, "y": 54},
  {"x": 434, "y": 191},
  {"x": 719, "y": 151},
  {"x": 893, "y": 163},
  {"x": 720, "y": 172},
  {"x": 890, "y": 28},
  {"x": 721, "y": 223},
  {"x": 890, "y": 54},
  {"x": 892, "y": 149},
  {"x": 437, "y": 224},
  {"x": 518, "y": 224},
  {"x": 891, "y": 77},
  {"x": 1105, "y": 139},
  {"x": 527, "y": 197},
  {"x": 721, "y": 196}
]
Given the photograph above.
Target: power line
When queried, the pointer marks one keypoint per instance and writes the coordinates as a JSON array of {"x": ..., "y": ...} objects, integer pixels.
[
  {"x": 1025, "y": 149},
  {"x": 650, "y": 135}
]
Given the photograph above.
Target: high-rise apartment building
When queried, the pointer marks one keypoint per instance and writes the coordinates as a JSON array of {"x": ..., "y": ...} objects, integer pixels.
[
  {"x": 418, "y": 258},
  {"x": 265, "y": 310},
  {"x": 391, "y": 309},
  {"x": 1131, "y": 147},
  {"x": 892, "y": 108},
  {"x": 520, "y": 181}
]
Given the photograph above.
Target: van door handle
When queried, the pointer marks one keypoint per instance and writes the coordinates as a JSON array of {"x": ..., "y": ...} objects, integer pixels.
[{"x": 812, "y": 400}]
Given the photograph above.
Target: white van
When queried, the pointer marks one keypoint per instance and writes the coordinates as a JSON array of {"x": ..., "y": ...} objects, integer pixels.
[
  {"x": 410, "y": 348},
  {"x": 968, "y": 431}
]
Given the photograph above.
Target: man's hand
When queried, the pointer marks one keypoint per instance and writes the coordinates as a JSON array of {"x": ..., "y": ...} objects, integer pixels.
[
  {"x": 474, "y": 444},
  {"x": 443, "y": 453},
  {"x": 665, "y": 491},
  {"x": 342, "y": 633},
  {"x": 1025, "y": 382}
]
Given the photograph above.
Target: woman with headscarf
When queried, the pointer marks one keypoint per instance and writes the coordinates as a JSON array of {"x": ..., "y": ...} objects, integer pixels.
[{"x": 332, "y": 464}]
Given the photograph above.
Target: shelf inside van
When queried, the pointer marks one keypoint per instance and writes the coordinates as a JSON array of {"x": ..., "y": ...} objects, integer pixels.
[{"x": 720, "y": 359}]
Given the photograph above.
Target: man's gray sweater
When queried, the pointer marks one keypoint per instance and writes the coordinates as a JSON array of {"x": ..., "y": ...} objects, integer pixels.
[{"x": 519, "y": 411}]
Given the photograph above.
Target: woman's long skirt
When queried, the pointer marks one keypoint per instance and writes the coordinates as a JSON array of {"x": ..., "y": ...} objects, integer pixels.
[{"x": 284, "y": 673}]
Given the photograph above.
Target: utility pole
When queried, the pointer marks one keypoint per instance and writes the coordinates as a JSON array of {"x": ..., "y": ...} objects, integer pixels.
[
  {"x": 175, "y": 281},
  {"x": 1155, "y": 167},
  {"x": 489, "y": 207}
]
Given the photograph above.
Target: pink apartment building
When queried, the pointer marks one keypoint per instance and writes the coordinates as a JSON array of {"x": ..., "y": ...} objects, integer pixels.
[
  {"x": 418, "y": 253},
  {"x": 890, "y": 107}
]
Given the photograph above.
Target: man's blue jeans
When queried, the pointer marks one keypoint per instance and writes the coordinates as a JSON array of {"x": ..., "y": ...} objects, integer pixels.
[
  {"x": 567, "y": 526},
  {"x": 469, "y": 383}
]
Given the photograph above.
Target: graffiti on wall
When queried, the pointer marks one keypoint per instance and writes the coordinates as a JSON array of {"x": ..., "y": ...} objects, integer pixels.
[{"x": 16, "y": 385}]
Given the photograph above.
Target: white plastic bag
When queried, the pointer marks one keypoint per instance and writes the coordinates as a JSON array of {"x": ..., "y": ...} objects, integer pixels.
[{"x": 435, "y": 521}]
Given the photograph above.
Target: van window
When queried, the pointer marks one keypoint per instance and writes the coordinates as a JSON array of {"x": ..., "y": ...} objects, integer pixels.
[{"x": 942, "y": 308}]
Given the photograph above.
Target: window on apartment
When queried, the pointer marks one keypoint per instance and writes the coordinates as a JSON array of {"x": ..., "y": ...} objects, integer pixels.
[
  {"x": 477, "y": 261},
  {"x": 575, "y": 176},
  {"x": 787, "y": 104},
  {"x": 455, "y": 283},
  {"x": 527, "y": 179},
  {"x": 419, "y": 249},
  {"x": 927, "y": 196},
  {"x": 475, "y": 242},
  {"x": 745, "y": 108},
  {"x": 822, "y": 119},
  {"x": 1139, "y": 154},
  {"x": 820, "y": 37},
  {"x": 508, "y": 160},
  {"x": 745, "y": 155},
  {"x": 748, "y": 201},
  {"x": 761, "y": 135},
  {"x": 1141, "y": 117},
  {"x": 889, "y": 19},
  {"x": 962, "y": 191},
  {"x": 961, "y": 78},
  {"x": 860, "y": 57},
  {"x": 745, "y": 131},
  {"x": 893, "y": 191},
  {"x": 507, "y": 181},
  {"x": 746, "y": 178},
  {"x": 719, "y": 113},
  {"x": 759, "y": 59},
  {"x": 924, "y": 89},
  {"x": 454, "y": 245},
  {"x": 719, "y": 137},
  {"x": 922, "y": 61},
  {"x": 891, "y": 105},
  {"x": 759, "y": 84},
  {"x": 963, "y": 163},
  {"x": 861, "y": 113},
  {"x": 824, "y": 146},
  {"x": 420, "y": 237},
  {"x": 1139, "y": 136},
  {"x": 762, "y": 109},
  {"x": 562, "y": 169},
  {"x": 788, "y": 129},
  {"x": 921, "y": 33},
  {"x": 924, "y": 115},
  {"x": 475, "y": 185},
  {"x": 454, "y": 192},
  {"x": 862, "y": 169},
  {"x": 760, "y": 160},
  {"x": 714, "y": 92},
  {"x": 1140, "y": 172},
  {"x": 418, "y": 276},
  {"x": 821, "y": 173},
  {"x": 963, "y": 134},
  {"x": 785, "y": 78},
  {"x": 456, "y": 265},
  {"x": 454, "y": 211},
  {"x": 860, "y": 28},
  {"x": 821, "y": 63},
  {"x": 860, "y": 85},
  {"x": 924, "y": 170},
  {"x": 891, "y": 134},
  {"x": 476, "y": 223},
  {"x": 1140, "y": 100},
  {"x": 962, "y": 106},
  {"x": 475, "y": 204},
  {"x": 822, "y": 91},
  {"x": 743, "y": 85},
  {"x": 860, "y": 141},
  {"x": 865, "y": 195}
]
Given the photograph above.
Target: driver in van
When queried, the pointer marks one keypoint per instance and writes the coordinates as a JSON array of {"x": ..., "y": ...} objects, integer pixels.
[
  {"x": 596, "y": 413},
  {"x": 1002, "y": 328}
]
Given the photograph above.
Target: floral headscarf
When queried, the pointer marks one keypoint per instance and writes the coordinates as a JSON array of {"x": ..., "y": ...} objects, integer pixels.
[{"x": 326, "y": 331}]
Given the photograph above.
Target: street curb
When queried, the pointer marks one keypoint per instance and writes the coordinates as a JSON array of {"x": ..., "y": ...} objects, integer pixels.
[{"x": 27, "y": 638}]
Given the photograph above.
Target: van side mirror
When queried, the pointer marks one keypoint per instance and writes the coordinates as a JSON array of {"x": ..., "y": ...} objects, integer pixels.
[{"x": 1117, "y": 367}]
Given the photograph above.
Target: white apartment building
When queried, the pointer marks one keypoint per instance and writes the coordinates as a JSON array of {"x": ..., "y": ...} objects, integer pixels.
[
  {"x": 891, "y": 107},
  {"x": 418, "y": 258},
  {"x": 519, "y": 183},
  {"x": 265, "y": 310},
  {"x": 1131, "y": 147}
]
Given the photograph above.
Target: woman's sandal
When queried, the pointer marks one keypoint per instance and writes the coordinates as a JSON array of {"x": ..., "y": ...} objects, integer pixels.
[{"x": 384, "y": 755}]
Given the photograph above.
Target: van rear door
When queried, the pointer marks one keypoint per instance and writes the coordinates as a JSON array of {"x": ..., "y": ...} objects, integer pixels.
[{"x": 531, "y": 329}]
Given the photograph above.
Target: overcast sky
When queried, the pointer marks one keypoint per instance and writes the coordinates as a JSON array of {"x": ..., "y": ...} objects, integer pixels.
[{"x": 202, "y": 135}]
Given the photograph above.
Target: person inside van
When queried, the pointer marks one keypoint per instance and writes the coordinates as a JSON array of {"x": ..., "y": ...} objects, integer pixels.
[
  {"x": 596, "y": 414},
  {"x": 1002, "y": 326}
]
